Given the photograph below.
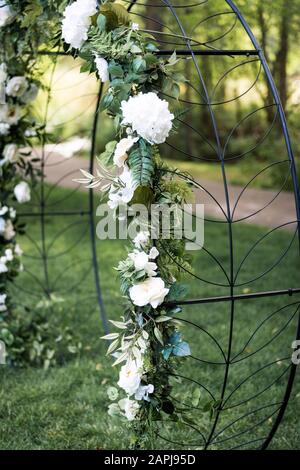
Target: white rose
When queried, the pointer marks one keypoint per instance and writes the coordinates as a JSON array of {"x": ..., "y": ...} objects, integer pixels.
[
  {"x": 16, "y": 86},
  {"x": 130, "y": 377},
  {"x": 152, "y": 291},
  {"x": 149, "y": 116},
  {"x": 9, "y": 254},
  {"x": 9, "y": 231},
  {"x": 10, "y": 152},
  {"x": 130, "y": 408},
  {"x": 122, "y": 147},
  {"x": 141, "y": 239},
  {"x": 6, "y": 13},
  {"x": 142, "y": 263},
  {"x": 121, "y": 194},
  {"x": 22, "y": 192},
  {"x": 76, "y": 22},
  {"x": 143, "y": 392},
  {"x": 30, "y": 94},
  {"x": 102, "y": 68}
]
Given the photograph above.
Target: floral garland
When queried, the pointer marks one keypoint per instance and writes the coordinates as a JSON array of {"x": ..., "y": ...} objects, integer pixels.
[{"x": 149, "y": 344}]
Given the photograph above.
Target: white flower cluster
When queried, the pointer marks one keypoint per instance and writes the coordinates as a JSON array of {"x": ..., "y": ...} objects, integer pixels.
[
  {"x": 77, "y": 21},
  {"x": 13, "y": 89},
  {"x": 102, "y": 68},
  {"x": 148, "y": 116}
]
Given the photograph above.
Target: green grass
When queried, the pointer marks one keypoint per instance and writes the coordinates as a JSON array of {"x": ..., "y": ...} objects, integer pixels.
[{"x": 65, "y": 407}]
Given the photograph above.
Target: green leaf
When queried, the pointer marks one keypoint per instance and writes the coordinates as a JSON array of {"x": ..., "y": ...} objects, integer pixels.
[
  {"x": 158, "y": 335},
  {"x": 110, "y": 336},
  {"x": 106, "y": 101},
  {"x": 107, "y": 155},
  {"x": 101, "y": 22},
  {"x": 115, "y": 71},
  {"x": 196, "y": 396},
  {"x": 141, "y": 163},
  {"x": 139, "y": 64},
  {"x": 162, "y": 319}
]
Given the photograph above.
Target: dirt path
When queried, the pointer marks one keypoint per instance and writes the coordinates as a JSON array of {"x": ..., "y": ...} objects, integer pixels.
[{"x": 255, "y": 206}]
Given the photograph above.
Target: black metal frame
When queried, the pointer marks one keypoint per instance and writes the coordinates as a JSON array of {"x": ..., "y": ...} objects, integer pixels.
[{"x": 194, "y": 49}]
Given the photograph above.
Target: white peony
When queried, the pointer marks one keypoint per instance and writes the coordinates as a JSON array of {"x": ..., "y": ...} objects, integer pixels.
[
  {"x": 10, "y": 153},
  {"x": 102, "y": 68},
  {"x": 130, "y": 377},
  {"x": 149, "y": 116},
  {"x": 9, "y": 231},
  {"x": 152, "y": 291},
  {"x": 122, "y": 147},
  {"x": 22, "y": 192},
  {"x": 130, "y": 408},
  {"x": 30, "y": 94},
  {"x": 77, "y": 20},
  {"x": 141, "y": 239},
  {"x": 143, "y": 392},
  {"x": 142, "y": 263},
  {"x": 123, "y": 191},
  {"x": 16, "y": 86},
  {"x": 6, "y": 13}
]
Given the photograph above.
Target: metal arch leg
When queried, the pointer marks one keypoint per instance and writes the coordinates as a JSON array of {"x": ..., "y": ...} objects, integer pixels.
[{"x": 92, "y": 219}]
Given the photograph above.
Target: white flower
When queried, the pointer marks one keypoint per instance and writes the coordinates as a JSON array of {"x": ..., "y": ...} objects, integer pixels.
[
  {"x": 142, "y": 263},
  {"x": 141, "y": 239},
  {"x": 2, "y": 225},
  {"x": 4, "y": 128},
  {"x": 2, "y": 302},
  {"x": 3, "y": 267},
  {"x": 130, "y": 408},
  {"x": 22, "y": 192},
  {"x": 135, "y": 26},
  {"x": 153, "y": 254},
  {"x": 6, "y": 13},
  {"x": 9, "y": 115},
  {"x": 10, "y": 153},
  {"x": 18, "y": 250},
  {"x": 102, "y": 68},
  {"x": 9, "y": 231},
  {"x": 143, "y": 391},
  {"x": 12, "y": 212},
  {"x": 122, "y": 147},
  {"x": 16, "y": 86},
  {"x": 9, "y": 254},
  {"x": 77, "y": 20},
  {"x": 149, "y": 116},
  {"x": 130, "y": 377},
  {"x": 30, "y": 94},
  {"x": 122, "y": 192},
  {"x": 152, "y": 291},
  {"x": 3, "y": 211}
]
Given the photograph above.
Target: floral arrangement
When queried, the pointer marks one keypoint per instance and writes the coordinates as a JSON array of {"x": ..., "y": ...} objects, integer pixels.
[{"x": 148, "y": 344}]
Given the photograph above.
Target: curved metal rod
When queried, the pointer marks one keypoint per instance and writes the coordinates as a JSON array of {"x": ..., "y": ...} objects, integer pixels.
[{"x": 296, "y": 194}]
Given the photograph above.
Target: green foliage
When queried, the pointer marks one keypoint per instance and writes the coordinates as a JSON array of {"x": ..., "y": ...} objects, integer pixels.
[{"x": 141, "y": 163}]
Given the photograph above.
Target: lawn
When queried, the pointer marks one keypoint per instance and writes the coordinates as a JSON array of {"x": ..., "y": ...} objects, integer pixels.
[{"x": 64, "y": 407}]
